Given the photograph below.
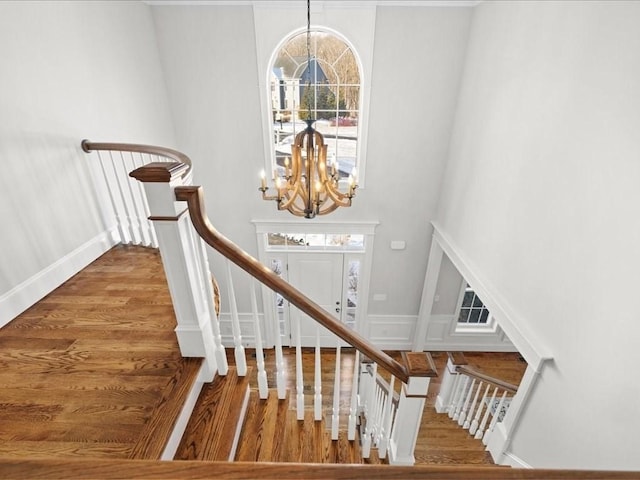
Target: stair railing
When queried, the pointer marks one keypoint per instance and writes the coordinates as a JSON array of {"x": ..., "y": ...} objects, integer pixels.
[
  {"x": 127, "y": 200},
  {"x": 415, "y": 373},
  {"x": 181, "y": 237},
  {"x": 380, "y": 402},
  {"x": 477, "y": 402}
]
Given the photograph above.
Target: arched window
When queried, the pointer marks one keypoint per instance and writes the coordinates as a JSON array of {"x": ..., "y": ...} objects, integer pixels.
[{"x": 321, "y": 82}]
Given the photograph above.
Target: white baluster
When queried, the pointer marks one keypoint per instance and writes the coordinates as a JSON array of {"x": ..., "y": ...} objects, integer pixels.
[
  {"x": 317, "y": 385},
  {"x": 263, "y": 387},
  {"x": 483, "y": 423},
  {"x": 387, "y": 421},
  {"x": 467, "y": 422},
  {"x": 476, "y": 420},
  {"x": 353, "y": 409},
  {"x": 460, "y": 399},
  {"x": 369, "y": 411},
  {"x": 281, "y": 373},
  {"x": 465, "y": 407},
  {"x": 494, "y": 420},
  {"x": 239, "y": 355},
  {"x": 202, "y": 261},
  {"x": 335, "y": 418},
  {"x": 110, "y": 183},
  {"x": 144, "y": 204},
  {"x": 379, "y": 399},
  {"x": 457, "y": 385},
  {"x": 122, "y": 180},
  {"x": 133, "y": 195},
  {"x": 299, "y": 377}
]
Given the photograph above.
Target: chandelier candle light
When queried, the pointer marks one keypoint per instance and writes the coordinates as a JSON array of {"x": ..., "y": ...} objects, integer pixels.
[{"x": 309, "y": 187}]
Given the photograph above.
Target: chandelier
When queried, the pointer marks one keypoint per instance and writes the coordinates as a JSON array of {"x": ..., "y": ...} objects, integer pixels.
[{"x": 308, "y": 186}]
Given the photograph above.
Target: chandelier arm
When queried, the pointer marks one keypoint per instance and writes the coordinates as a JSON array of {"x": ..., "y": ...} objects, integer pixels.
[
  {"x": 342, "y": 199},
  {"x": 286, "y": 200},
  {"x": 329, "y": 209}
]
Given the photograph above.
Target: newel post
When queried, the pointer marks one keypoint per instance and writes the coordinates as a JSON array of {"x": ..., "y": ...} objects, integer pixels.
[
  {"x": 447, "y": 384},
  {"x": 182, "y": 263},
  {"x": 404, "y": 435}
]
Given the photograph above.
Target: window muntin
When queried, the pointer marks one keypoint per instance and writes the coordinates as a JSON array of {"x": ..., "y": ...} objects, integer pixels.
[
  {"x": 328, "y": 84},
  {"x": 472, "y": 310}
]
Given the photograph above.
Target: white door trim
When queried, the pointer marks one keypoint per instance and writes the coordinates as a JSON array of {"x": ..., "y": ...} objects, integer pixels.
[{"x": 366, "y": 228}]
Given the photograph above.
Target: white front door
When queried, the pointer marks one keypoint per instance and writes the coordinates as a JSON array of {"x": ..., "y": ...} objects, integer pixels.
[{"x": 320, "y": 277}]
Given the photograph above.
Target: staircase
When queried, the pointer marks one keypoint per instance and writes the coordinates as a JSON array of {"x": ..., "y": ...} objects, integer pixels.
[
  {"x": 230, "y": 422},
  {"x": 270, "y": 431},
  {"x": 390, "y": 416}
]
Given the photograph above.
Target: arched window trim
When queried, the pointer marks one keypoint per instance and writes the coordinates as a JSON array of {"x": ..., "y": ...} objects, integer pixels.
[{"x": 270, "y": 161}]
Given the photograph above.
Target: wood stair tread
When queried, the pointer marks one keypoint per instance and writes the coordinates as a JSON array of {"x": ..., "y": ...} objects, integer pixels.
[
  {"x": 264, "y": 428},
  {"x": 156, "y": 431},
  {"x": 211, "y": 430}
]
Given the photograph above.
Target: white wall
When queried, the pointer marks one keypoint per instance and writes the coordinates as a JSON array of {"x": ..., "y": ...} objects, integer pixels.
[
  {"x": 70, "y": 70},
  {"x": 209, "y": 55},
  {"x": 541, "y": 197}
]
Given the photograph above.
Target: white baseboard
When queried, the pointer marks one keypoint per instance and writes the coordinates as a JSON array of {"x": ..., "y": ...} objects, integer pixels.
[
  {"x": 27, "y": 293},
  {"x": 515, "y": 461}
]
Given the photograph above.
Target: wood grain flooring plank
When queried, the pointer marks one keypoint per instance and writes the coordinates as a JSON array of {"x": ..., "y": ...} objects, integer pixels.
[
  {"x": 28, "y": 450},
  {"x": 281, "y": 428},
  {"x": 157, "y": 429},
  {"x": 81, "y": 370}
]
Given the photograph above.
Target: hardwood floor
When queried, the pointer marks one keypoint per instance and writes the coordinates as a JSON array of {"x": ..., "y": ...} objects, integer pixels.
[{"x": 85, "y": 369}]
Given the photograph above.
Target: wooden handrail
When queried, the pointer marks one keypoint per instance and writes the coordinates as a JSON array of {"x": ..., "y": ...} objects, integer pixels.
[
  {"x": 174, "y": 155},
  {"x": 91, "y": 468},
  {"x": 486, "y": 378},
  {"x": 195, "y": 200}
]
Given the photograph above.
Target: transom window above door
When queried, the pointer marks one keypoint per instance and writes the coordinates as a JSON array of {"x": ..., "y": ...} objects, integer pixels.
[{"x": 315, "y": 241}]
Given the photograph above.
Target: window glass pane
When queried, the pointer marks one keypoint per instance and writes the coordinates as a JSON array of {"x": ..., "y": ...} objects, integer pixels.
[
  {"x": 484, "y": 315},
  {"x": 337, "y": 240},
  {"x": 296, "y": 240},
  {"x": 464, "y": 315},
  {"x": 352, "y": 283},
  {"x": 477, "y": 302},
  {"x": 315, "y": 239},
  {"x": 468, "y": 299},
  {"x": 276, "y": 239},
  {"x": 356, "y": 240},
  {"x": 328, "y": 85},
  {"x": 475, "y": 315}
]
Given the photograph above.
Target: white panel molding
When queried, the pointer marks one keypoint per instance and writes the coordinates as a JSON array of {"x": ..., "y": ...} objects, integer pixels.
[
  {"x": 441, "y": 336},
  {"x": 27, "y": 293},
  {"x": 393, "y": 332},
  {"x": 525, "y": 341}
]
